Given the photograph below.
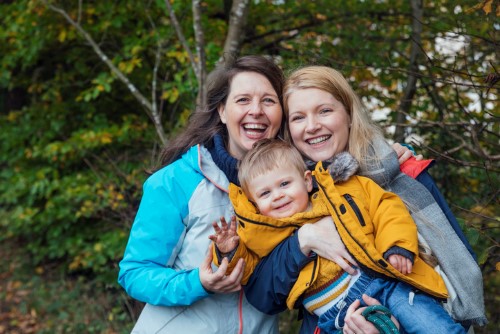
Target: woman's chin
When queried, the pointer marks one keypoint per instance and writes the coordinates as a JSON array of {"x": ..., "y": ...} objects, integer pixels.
[{"x": 320, "y": 156}]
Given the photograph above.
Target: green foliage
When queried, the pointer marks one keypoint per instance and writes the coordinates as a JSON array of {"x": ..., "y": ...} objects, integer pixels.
[
  {"x": 74, "y": 153},
  {"x": 75, "y": 142}
]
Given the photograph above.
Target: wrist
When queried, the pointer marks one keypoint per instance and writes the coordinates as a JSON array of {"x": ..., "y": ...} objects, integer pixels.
[{"x": 304, "y": 237}]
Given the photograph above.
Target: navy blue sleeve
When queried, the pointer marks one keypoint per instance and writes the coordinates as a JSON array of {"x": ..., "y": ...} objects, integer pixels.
[
  {"x": 399, "y": 251},
  {"x": 426, "y": 179},
  {"x": 273, "y": 278}
]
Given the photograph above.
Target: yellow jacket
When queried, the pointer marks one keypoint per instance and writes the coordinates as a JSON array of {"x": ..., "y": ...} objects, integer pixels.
[{"x": 368, "y": 219}]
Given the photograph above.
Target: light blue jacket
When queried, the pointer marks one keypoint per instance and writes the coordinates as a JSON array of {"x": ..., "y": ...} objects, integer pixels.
[{"x": 169, "y": 241}]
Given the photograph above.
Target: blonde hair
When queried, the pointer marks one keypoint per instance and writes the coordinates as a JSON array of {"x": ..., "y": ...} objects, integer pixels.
[
  {"x": 362, "y": 129},
  {"x": 267, "y": 155}
]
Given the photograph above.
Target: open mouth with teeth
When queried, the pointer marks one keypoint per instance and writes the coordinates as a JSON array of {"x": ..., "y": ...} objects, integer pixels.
[
  {"x": 254, "y": 129},
  {"x": 318, "y": 140}
]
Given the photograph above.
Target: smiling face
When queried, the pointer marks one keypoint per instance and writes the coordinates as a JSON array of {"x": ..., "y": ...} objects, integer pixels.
[
  {"x": 252, "y": 111},
  {"x": 318, "y": 123},
  {"x": 281, "y": 192}
]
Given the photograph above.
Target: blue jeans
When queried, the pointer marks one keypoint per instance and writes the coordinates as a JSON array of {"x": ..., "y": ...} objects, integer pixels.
[{"x": 416, "y": 311}]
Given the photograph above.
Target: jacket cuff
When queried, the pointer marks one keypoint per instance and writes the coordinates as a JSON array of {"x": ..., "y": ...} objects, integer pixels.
[
  {"x": 221, "y": 256},
  {"x": 400, "y": 251},
  {"x": 299, "y": 258}
]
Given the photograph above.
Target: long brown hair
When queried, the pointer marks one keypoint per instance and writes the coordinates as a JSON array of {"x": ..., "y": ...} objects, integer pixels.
[{"x": 205, "y": 122}]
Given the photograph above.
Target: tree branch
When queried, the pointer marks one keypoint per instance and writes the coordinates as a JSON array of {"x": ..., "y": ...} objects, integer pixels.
[
  {"x": 458, "y": 162},
  {"x": 237, "y": 22},
  {"x": 131, "y": 87},
  {"x": 200, "y": 50},
  {"x": 156, "y": 66},
  {"x": 182, "y": 39},
  {"x": 79, "y": 12},
  {"x": 411, "y": 85}
]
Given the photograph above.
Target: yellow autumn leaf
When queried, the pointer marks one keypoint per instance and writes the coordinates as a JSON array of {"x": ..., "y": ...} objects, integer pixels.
[
  {"x": 122, "y": 65},
  {"x": 16, "y": 285},
  {"x": 136, "y": 62},
  {"x": 136, "y": 49},
  {"x": 165, "y": 95},
  {"x": 179, "y": 55},
  {"x": 174, "y": 95},
  {"x": 260, "y": 29},
  {"x": 98, "y": 247},
  {"x": 487, "y": 6},
  {"x": 106, "y": 138},
  {"x": 13, "y": 115},
  {"x": 62, "y": 36},
  {"x": 76, "y": 263}
]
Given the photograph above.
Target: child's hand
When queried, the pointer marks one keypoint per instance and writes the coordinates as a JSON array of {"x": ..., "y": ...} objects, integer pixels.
[
  {"x": 401, "y": 263},
  {"x": 225, "y": 237}
]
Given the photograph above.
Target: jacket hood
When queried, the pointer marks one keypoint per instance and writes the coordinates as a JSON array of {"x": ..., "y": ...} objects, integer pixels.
[{"x": 342, "y": 167}]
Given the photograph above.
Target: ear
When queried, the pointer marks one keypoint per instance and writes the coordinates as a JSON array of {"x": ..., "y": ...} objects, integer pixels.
[
  {"x": 222, "y": 112},
  {"x": 308, "y": 180}
]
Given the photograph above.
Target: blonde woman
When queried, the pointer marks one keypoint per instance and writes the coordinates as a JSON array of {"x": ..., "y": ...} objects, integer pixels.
[{"x": 324, "y": 117}]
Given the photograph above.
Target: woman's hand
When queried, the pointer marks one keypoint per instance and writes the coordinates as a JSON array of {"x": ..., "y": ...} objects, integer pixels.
[
  {"x": 218, "y": 281},
  {"x": 323, "y": 239},
  {"x": 404, "y": 153},
  {"x": 356, "y": 323}
]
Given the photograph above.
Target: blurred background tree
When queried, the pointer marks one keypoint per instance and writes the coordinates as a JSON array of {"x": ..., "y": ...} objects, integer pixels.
[{"x": 90, "y": 90}]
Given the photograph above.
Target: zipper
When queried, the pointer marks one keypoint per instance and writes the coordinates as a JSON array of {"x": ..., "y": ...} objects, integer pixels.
[
  {"x": 355, "y": 207},
  {"x": 313, "y": 271}
]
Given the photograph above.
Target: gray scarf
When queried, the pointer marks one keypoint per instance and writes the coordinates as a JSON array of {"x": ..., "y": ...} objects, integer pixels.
[{"x": 462, "y": 271}]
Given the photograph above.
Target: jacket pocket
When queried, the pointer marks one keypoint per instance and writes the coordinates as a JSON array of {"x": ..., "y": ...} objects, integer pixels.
[
  {"x": 358, "y": 212},
  {"x": 355, "y": 208}
]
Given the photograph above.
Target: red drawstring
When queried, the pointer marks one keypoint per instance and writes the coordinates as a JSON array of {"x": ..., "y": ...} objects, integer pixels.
[
  {"x": 317, "y": 330},
  {"x": 240, "y": 311}
]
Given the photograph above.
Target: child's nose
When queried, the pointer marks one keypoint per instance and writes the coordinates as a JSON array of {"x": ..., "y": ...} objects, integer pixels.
[{"x": 278, "y": 195}]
